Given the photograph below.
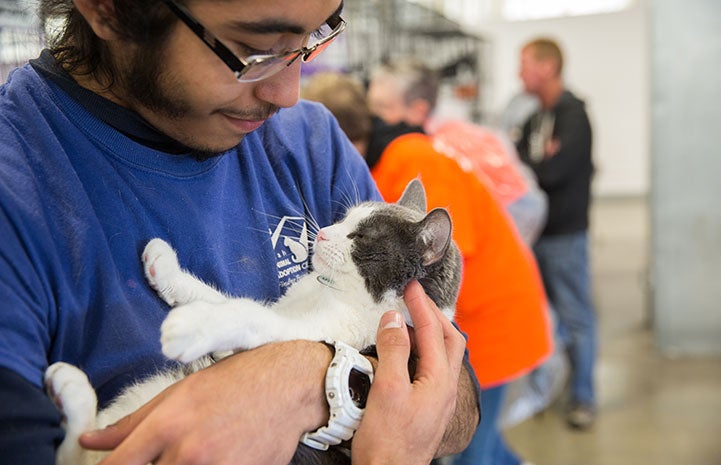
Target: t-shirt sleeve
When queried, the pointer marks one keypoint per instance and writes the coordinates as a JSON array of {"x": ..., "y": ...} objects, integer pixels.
[
  {"x": 29, "y": 422},
  {"x": 25, "y": 325}
]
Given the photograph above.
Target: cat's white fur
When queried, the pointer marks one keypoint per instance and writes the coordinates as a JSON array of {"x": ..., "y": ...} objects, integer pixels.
[{"x": 330, "y": 302}]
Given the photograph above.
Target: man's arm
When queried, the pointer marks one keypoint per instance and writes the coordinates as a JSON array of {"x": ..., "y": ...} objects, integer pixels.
[
  {"x": 466, "y": 415},
  {"x": 250, "y": 408},
  {"x": 571, "y": 158},
  {"x": 29, "y": 422}
]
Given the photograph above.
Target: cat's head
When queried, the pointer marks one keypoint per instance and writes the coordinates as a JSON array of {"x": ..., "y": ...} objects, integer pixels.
[{"x": 388, "y": 245}]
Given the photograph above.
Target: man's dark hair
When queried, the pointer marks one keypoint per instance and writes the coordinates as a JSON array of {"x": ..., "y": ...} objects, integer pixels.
[{"x": 143, "y": 23}]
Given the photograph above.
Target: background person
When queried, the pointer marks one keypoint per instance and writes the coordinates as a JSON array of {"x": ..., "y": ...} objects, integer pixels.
[{"x": 556, "y": 144}]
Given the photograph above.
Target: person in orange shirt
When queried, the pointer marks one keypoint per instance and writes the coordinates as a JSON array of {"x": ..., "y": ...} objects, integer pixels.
[{"x": 502, "y": 305}]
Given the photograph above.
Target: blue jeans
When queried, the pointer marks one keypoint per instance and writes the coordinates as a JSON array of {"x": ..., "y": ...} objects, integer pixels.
[
  {"x": 488, "y": 446},
  {"x": 564, "y": 265}
]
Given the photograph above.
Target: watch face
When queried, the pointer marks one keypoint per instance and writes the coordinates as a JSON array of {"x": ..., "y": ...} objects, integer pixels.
[{"x": 358, "y": 386}]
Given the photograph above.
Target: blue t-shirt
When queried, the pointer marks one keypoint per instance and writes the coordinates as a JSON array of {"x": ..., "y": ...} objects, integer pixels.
[{"x": 79, "y": 201}]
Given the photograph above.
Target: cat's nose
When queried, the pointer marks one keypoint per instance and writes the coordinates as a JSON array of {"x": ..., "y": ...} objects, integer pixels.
[{"x": 321, "y": 236}]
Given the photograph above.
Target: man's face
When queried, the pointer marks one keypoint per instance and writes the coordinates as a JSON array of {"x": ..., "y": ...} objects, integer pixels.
[
  {"x": 188, "y": 93},
  {"x": 531, "y": 71},
  {"x": 385, "y": 100}
]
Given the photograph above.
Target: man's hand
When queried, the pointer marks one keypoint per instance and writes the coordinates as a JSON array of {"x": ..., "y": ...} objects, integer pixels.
[
  {"x": 250, "y": 408},
  {"x": 405, "y": 421}
]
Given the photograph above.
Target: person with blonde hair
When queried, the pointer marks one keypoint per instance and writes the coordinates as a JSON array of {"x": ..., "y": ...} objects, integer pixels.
[
  {"x": 344, "y": 96},
  {"x": 556, "y": 145}
]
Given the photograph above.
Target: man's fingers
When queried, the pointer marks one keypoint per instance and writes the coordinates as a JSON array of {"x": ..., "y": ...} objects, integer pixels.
[
  {"x": 426, "y": 323},
  {"x": 436, "y": 339},
  {"x": 393, "y": 344},
  {"x": 455, "y": 344},
  {"x": 111, "y": 436},
  {"x": 133, "y": 442}
]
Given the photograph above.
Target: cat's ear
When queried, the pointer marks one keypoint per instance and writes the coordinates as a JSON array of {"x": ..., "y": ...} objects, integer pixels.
[
  {"x": 435, "y": 235},
  {"x": 414, "y": 196}
]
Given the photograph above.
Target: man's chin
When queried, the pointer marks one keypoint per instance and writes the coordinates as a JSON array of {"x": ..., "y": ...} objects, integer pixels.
[{"x": 206, "y": 151}]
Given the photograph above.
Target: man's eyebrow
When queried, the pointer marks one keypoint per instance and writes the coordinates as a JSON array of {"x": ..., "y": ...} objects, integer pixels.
[
  {"x": 268, "y": 26},
  {"x": 273, "y": 26}
]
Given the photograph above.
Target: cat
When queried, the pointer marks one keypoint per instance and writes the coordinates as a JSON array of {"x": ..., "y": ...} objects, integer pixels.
[{"x": 360, "y": 267}]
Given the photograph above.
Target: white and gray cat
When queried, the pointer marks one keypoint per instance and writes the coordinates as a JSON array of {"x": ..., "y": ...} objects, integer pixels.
[{"x": 361, "y": 266}]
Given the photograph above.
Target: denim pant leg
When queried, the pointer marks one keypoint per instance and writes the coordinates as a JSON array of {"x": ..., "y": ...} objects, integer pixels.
[
  {"x": 564, "y": 264},
  {"x": 487, "y": 447},
  {"x": 529, "y": 215}
]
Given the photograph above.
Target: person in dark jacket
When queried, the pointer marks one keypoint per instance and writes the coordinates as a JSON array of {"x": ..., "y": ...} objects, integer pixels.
[{"x": 556, "y": 144}]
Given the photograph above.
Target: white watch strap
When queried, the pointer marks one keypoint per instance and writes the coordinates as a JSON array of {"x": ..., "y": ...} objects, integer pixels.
[{"x": 345, "y": 416}]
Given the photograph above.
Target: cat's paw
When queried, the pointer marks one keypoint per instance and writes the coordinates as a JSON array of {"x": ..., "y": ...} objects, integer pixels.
[
  {"x": 70, "y": 390},
  {"x": 184, "y": 334},
  {"x": 162, "y": 269}
]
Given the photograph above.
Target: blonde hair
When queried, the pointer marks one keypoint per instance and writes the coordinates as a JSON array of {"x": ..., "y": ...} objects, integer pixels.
[
  {"x": 345, "y": 97},
  {"x": 546, "y": 49}
]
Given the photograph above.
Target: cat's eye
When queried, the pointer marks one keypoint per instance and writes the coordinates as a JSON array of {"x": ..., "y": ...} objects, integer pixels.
[{"x": 355, "y": 235}]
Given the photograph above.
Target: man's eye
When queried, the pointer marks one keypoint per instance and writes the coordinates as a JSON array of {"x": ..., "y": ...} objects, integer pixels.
[{"x": 244, "y": 50}]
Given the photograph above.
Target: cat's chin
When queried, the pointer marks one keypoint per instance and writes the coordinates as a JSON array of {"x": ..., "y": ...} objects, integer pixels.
[{"x": 321, "y": 266}]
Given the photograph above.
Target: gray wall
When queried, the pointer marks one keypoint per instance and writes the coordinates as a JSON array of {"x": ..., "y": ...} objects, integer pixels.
[
  {"x": 686, "y": 175},
  {"x": 607, "y": 64}
]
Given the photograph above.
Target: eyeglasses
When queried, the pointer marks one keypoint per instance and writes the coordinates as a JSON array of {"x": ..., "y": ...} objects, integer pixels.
[{"x": 256, "y": 67}]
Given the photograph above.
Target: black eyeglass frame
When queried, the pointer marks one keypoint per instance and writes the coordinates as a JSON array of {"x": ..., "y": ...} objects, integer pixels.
[{"x": 240, "y": 66}]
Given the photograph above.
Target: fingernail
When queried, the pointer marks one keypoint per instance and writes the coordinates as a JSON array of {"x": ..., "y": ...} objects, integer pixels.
[
  {"x": 91, "y": 434},
  {"x": 392, "y": 320},
  {"x": 98, "y": 432}
]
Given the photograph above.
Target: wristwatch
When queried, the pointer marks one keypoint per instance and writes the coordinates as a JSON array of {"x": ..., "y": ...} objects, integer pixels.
[{"x": 347, "y": 383}]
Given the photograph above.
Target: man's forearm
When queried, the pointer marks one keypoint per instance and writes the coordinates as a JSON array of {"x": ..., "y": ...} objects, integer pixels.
[{"x": 466, "y": 416}]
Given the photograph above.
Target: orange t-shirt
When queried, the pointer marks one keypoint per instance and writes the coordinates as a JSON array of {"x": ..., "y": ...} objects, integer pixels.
[
  {"x": 502, "y": 304},
  {"x": 482, "y": 151}
]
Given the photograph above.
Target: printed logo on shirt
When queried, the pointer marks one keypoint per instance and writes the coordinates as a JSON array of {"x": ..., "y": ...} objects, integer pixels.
[
  {"x": 541, "y": 138},
  {"x": 290, "y": 243}
]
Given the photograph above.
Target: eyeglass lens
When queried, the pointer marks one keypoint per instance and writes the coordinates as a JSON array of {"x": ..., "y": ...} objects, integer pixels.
[{"x": 263, "y": 66}]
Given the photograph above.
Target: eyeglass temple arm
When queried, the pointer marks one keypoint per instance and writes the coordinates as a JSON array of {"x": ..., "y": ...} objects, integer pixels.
[{"x": 209, "y": 39}]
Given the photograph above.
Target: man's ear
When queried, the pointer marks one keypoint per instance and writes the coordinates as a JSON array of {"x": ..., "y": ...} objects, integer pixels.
[{"x": 100, "y": 15}]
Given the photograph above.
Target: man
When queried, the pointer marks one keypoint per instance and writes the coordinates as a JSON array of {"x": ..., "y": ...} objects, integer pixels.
[
  {"x": 501, "y": 306},
  {"x": 556, "y": 144},
  {"x": 159, "y": 119}
]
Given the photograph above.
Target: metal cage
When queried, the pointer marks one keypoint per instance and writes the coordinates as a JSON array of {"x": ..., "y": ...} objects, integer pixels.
[{"x": 20, "y": 36}]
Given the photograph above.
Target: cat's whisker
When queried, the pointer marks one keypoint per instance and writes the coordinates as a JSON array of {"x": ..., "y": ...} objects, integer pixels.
[
  {"x": 309, "y": 218},
  {"x": 314, "y": 227},
  {"x": 260, "y": 230},
  {"x": 353, "y": 198},
  {"x": 268, "y": 215}
]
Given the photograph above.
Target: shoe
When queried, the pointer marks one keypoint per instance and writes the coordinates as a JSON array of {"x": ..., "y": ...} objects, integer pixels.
[{"x": 581, "y": 416}]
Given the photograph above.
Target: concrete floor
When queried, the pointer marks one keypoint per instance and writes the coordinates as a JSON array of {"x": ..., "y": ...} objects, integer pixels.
[{"x": 653, "y": 410}]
